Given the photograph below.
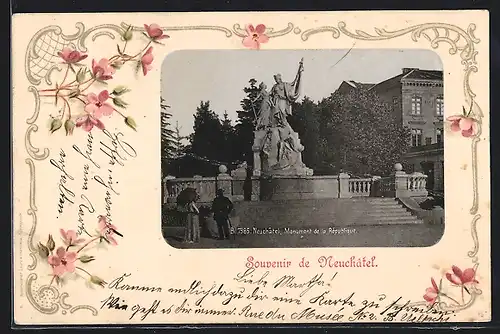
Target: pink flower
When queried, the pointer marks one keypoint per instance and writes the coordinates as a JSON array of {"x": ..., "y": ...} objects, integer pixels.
[
  {"x": 71, "y": 56},
  {"x": 103, "y": 69},
  {"x": 459, "y": 277},
  {"x": 62, "y": 262},
  {"x": 255, "y": 36},
  {"x": 97, "y": 105},
  {"x": 467, "y": 125},
  {"x": 154, "y": 32},
  {"x": 88, "y": 122},
  {"x": 432, "y": 293},
  {"x": 146, "y": 61},
  {"x": 70, "y": 238},
  {"x": 107, "y": 230}
]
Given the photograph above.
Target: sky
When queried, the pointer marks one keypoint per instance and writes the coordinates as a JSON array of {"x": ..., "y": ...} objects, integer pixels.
[{"x": 219, "y": 76}]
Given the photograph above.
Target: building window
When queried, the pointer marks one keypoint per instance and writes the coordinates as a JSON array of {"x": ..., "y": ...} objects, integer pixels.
[
  {"x": 416, "y": 105},
  {"x": 439, "y": 106},
  {"x": 439, "y": 135},
  {"x": 416, "y": 137},
  {"x": 395, "y": 101},
  {"x": 428, "y": 140}
]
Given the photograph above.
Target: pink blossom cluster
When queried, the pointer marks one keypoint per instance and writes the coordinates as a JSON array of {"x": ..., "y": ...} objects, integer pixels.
[
  {"x": 66, "y": 259},
  {"x": 98, "y": 103}
]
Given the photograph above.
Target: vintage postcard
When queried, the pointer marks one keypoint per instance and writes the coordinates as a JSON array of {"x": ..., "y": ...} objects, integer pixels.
[{"x": 225, "y": 168}]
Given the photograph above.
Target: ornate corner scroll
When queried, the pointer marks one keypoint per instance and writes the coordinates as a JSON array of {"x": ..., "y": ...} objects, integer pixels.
[{"x": 41, "y": 62}]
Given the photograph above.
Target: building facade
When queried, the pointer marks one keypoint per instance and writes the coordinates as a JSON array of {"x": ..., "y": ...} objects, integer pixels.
[{"x": 418, "y": 103}]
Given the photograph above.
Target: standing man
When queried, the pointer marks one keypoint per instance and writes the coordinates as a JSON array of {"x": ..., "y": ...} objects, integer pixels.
[{"x": 222, "y": 207}]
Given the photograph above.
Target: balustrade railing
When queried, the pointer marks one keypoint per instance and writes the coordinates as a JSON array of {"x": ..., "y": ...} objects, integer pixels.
[
  {"x": 360, "y": 187},
  {"x": 400, "y": 184},
  {"x": 205, "y": 187},
  {"x": 416, "y": 182}
]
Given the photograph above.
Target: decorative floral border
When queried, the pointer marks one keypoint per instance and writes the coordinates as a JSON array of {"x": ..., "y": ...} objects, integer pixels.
[{"x": 48, "y": 299}]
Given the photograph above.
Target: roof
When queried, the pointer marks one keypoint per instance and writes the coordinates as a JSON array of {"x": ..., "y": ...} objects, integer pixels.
[
  {"x": 360, "y": 85},
  {"x": 407, "y": 73},
  {"x": 419, "y": 74},
  {"x": 388, "y": 82}
]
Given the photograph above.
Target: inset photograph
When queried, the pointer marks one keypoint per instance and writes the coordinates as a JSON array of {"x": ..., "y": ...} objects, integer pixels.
[{"x": 305, "y": 148}]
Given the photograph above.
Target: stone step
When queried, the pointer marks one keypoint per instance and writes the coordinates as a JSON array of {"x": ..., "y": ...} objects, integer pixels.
[
  {"x": 326, "y": 222},
  {"x": 399, "y": 213},
  {"x": 318, "y": 201},
  {"x": 388, "y": 220},
  {"x": 386, "y": 206},
  {"x": 323, "y": 211},
  {"x": 372, "y": 199},
  {"x": 415, "y": 221},
  {"x": 398, "y": 208}
]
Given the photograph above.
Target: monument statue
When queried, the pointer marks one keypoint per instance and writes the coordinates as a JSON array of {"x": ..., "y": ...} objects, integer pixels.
[
  {"x": 277, "y": 148},
  {"x": 264, "y": 117}
]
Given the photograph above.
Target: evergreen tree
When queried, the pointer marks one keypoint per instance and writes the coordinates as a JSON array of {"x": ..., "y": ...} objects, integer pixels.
[
  {"x": 166, "y": 131},
  {"x": 228, "y": 133},
  {"x": 167, "y": 142},
  {"x": 245, "y": 125},
  {"x": 207, "y": 139},
  {"x": 177, "y": 138}
]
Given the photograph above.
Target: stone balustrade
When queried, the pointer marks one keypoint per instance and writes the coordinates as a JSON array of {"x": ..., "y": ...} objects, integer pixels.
[
  {"x": 402, "y": 185},
  {"x": 360, "y": 187},
  {"x": 239, "y": 187}
]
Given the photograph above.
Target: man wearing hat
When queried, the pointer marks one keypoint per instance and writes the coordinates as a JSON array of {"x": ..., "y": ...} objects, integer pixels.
[{"x": 222, "y": 207}]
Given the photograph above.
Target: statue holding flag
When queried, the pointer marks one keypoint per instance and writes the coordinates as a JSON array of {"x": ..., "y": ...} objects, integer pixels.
[{"x": 283, "y": 94}]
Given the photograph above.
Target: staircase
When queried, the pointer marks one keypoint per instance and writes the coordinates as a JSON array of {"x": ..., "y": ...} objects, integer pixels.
[{"x": 318, "y": 213}]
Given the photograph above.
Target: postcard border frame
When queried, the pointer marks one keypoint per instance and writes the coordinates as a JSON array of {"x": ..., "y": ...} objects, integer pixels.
[{"x": 48, "y": 299}]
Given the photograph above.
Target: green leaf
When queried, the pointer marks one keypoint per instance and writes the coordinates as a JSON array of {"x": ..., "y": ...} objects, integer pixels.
[
  {"x": 120, "y": 90},
  {"x": 119, "y": 102}
]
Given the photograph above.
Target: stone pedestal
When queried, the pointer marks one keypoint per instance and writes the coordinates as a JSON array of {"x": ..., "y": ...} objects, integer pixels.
[
  {"x": 299, "y": 187},
  {"x": 255, "y": 196},
  {"x": 344, "y": 186},
  {"x": 224, "y": 181},
  {"x": 239, "y": 176},
  {"x": 266, "y": 149}
]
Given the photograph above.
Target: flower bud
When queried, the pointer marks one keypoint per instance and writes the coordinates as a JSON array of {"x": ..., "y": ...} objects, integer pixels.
[
  {"x": 86, "y": 258},
  {"x": 97, "y": 281},
  {"x": 120, "y": 90},
  {"x": 50, "y": 243},
  {"x": 80, "y": 76},
  {"x": 69, "y": 126},
  {"x": 127, "y": 35},
  {"x": 119, "y": 102},
  {"x": 131, "y": 123},
  {"x": 117, "y": 64},
  {"x": 55, "y": 125},
  {"x": 43, "y": 251},
  {"x": 74, "y": 93}
]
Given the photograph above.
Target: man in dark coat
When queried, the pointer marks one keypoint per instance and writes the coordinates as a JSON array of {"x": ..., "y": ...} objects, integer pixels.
[{"x": 222, "y": 207}]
